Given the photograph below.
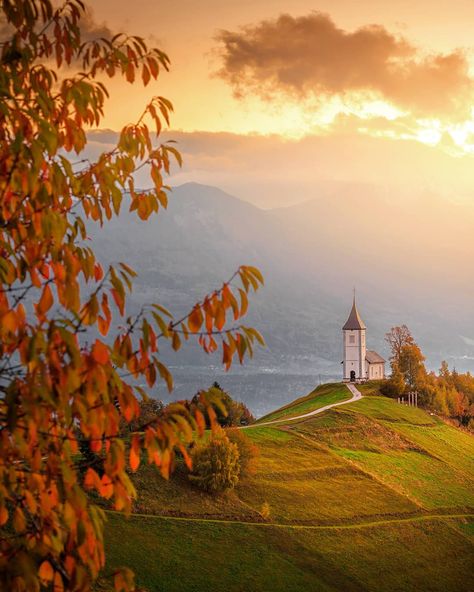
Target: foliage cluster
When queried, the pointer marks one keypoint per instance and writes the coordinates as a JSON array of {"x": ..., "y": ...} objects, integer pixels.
[
  {"x": 229, "y": 413},
  {"x": 221, "y": 462},
  {"x": 216, "y": 466},
  {"x": 70, "y": 357},
  {"x": 448, "y": 393}
]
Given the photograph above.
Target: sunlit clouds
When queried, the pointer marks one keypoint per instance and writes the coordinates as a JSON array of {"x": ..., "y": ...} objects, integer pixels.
[{"x": 310, "y": 66}]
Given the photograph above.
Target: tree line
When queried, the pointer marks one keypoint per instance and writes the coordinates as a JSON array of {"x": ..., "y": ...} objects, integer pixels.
[{"x": 448, "y": 392}]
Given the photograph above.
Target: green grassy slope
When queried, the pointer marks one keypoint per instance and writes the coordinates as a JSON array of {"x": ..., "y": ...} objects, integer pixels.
[
  {"x": 178, "y": 556},
  {"x": 367, "y": 496},
  {"x": 321, "y": 396}
]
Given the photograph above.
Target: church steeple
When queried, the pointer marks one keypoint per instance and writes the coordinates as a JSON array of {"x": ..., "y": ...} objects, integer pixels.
[
  {"x": 359, "y": 364},
  {"x": 354, "y": 322}
]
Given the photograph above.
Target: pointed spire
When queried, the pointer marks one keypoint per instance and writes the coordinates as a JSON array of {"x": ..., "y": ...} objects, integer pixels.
[{"x": 354, "y": 321}]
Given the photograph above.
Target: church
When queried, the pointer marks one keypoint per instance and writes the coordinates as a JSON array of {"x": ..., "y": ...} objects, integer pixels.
[{"x": 359, "y": 363}]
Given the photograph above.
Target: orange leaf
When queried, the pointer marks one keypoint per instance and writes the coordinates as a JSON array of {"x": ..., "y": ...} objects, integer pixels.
[
  {"x": 8, "y": 321},
  {"x": 119, "y": 301},
  {"x": 220, "y": 317},
  {"x": 91, "y": 479},
  {"x": 200, "y": 421},
  {"x": 3, "y": 515},
  {"x": 45, "y": 302},
  {"x": 58, "y": 585},
  {"x": 106, "y": 488},
  {"x": 227, "y": 356},
  {"x": 145, "y": 75},
  {"x": 98, "y": 272},
  {"x": 46, "y": 571},
  {"x": 103, "y": 326},
  {"x": 134, "y": 460},
  {"x": 135, "y": 454},
  {"x": 100, "y": 352},
  {"x": 195, "y": 319},
  {"x": 176, "y": 342}
]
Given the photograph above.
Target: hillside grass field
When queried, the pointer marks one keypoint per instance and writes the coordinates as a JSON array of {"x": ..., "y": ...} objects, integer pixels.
[
  {"x": 370, "y": 495},
  {"x": 323, "y": 395}
]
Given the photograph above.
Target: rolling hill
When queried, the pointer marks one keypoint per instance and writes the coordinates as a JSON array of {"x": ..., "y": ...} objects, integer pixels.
[{"x": 370, "y": 495}]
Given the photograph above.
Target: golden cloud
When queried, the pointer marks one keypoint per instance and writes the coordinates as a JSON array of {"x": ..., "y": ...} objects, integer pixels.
[{"x": 310, "y": 57}]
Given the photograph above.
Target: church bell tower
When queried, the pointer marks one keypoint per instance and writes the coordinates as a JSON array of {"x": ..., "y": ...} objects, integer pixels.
[{"x": 354, "y": 364}]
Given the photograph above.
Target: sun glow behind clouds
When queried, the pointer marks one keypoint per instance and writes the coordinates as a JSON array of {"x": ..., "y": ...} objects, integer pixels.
[
  {"x": 298, "y": 118},
  {"x": 364, "y": 113}
]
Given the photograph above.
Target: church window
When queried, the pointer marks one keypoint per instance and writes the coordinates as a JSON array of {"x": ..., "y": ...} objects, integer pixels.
[{"x": 352, "y": 338}]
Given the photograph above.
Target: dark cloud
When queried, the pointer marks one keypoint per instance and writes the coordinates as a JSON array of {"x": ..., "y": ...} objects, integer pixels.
[
  {"x": 91, "y": 29},
  {"x": 310, "y": 57}
]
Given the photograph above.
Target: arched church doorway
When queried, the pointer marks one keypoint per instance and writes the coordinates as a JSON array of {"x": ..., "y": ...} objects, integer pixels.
[{"x": 353, "y": 376}]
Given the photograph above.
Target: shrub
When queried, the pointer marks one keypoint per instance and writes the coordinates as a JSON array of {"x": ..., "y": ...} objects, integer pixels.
[
  {"x": 229, "y": 413},
  {"x": 265, "y": 511},
  {"x": 216, "y": 466},
  {"x": 150, "y": 410},
  {"x": 248, "y": 452},
  {"x": 395, "y": 386}
]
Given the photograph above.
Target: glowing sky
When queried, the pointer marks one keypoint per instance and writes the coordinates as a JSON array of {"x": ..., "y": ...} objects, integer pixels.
[
  {"x": 191, "y": 33},
  {"x": 303, "y": 94}
]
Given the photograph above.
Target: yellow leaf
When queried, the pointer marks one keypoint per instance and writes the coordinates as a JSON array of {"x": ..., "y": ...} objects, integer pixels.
[{"x": 244, "y": 302}]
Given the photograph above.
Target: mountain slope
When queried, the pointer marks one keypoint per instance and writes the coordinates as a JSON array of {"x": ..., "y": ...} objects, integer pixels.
[
  {"x": 367, "y": 488},
  {"x": 311, "y": 256}
]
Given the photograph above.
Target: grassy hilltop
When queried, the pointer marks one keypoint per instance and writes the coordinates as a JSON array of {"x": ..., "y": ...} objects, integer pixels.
[{"x": 369, "y": 495}]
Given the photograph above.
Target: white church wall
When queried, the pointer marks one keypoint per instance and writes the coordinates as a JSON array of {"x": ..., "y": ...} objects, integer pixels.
[
  {"x": 354, "y": 353},
  {"x": 375, "y": 371}
]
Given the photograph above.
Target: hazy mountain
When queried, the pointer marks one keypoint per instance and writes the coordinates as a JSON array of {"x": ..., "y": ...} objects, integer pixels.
[{"x": 311, "y": 254}]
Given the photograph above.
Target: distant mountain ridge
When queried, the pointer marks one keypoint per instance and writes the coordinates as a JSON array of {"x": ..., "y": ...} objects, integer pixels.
[{"x": 311, "y": 255}]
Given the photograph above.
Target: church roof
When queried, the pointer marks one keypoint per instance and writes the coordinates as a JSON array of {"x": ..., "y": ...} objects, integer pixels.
[
  {"x": 354, "y": 321},
  {"x": 373, "y": 357}
]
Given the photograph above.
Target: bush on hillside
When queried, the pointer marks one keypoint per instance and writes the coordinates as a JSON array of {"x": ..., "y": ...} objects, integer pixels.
[
  {"x": 395, "y": 386},
  {"x": 150, "y": 410},
  {"x": 229, "y": 413},
  {"x": 248, "y": 452},
  {"x": 216, "y": 466}
]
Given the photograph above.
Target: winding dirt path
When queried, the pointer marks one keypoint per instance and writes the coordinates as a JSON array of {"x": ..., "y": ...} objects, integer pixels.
[{"x": 356, "y": 395}]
